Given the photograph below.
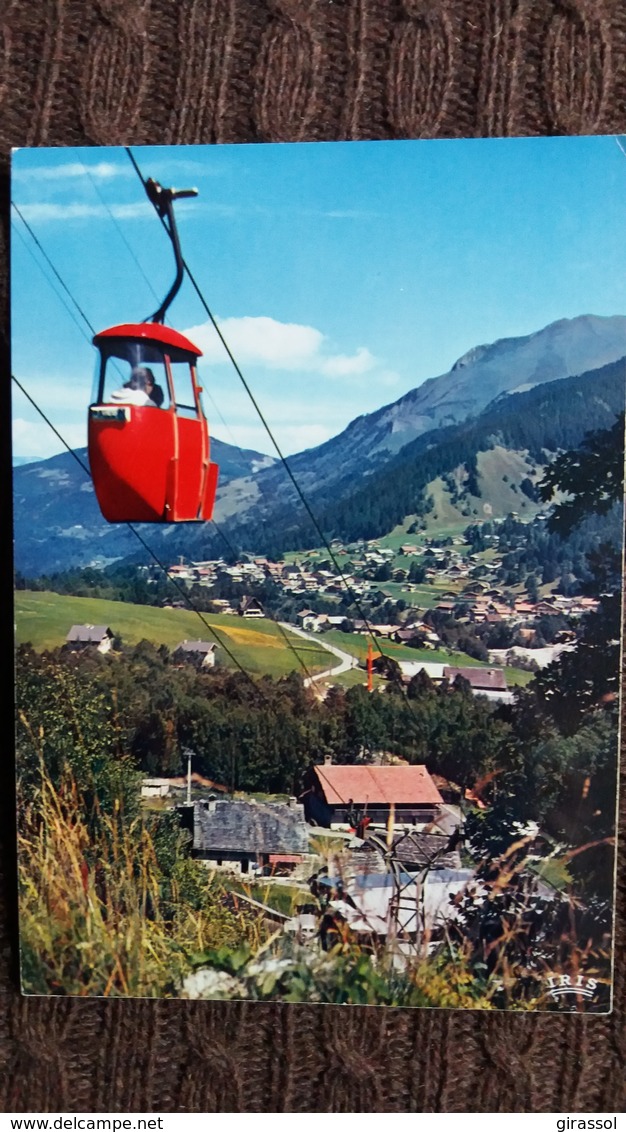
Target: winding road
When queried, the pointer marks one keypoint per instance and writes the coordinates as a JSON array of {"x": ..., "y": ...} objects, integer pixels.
[{"x": 347, "y": 661}]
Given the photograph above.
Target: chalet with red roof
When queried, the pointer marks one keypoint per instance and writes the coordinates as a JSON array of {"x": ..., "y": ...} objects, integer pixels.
[{"x": 344, "y": 795}]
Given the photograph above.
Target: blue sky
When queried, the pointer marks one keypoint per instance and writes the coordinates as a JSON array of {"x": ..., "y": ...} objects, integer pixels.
[{"x": 343, "y": 274}]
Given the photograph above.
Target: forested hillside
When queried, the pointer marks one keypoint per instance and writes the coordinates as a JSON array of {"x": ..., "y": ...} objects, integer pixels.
[{"x": 539, "y": 422}]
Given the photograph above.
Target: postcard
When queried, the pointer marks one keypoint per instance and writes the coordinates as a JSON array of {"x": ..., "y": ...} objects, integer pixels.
[{"x": 318, "y": 458}]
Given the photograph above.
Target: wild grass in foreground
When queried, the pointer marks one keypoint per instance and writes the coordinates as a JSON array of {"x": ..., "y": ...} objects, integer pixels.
[{"x": 113, "y": 907}]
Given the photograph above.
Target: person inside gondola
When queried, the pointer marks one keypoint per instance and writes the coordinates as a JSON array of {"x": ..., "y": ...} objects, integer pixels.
[
  {"x": 154, "y": 391},
  {"x": 141, "y": 389}
]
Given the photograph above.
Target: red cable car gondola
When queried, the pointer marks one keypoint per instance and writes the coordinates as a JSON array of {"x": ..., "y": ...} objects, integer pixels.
[{"x": 148, "y": 437}]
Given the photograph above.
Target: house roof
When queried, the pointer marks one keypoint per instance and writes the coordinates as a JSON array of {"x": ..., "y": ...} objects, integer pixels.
[
  {"x": 491, "y": 679},
  {"x": 419, "y": 850},
  {"x": 250, "y": 603},
  {"x": 408, "y": 784},
  {"x": 250, "y": 827},
  {"x": 202, "y": 647},
  {"x": 89, "y": 634}
]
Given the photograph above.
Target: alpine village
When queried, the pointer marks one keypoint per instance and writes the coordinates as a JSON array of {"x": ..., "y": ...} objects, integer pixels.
[{"x": 369, "y": 758}]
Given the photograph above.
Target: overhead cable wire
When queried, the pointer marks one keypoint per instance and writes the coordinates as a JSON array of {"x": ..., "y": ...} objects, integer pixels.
[
  {"x": 87, "y": 471},
  {"x": 304, "y": 501},
  {"x": 52, "y": 267},
  {"x": 149, "y": 283},
  {"x": 135, "y": 259},
  {"x": 146, "y": 279},
  {"x": 58, "y": 294},
  {"x": 50, "y": 425},
  {"x": 173, "y": 582}
]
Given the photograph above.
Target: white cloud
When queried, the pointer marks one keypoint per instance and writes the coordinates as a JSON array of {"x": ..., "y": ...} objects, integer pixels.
[
  {"x": 102, "y": 171},
  {"x": 272, "y": 344},
  {"x": 263, "y": 341},
  {"x": 45, "y": 212},
  {"x": 40, "y": 213},
  {"x": 35, "y": 439}
]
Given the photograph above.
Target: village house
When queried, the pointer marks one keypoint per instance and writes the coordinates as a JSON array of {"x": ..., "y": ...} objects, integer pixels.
[
  {"x": 384, "y": 630},
  {"x": 198, "y": 652},
  {"x": 546, "y": 609},
  {"x": 305, "y": 614},
  {"x": 98, "y": 637},
  {"x": 445, "y": 607},
  {"x": 373, "y": 909},
  {"x": 426, "y": 850},
  {"x": 489, "y": 682},
  {"x": 234, "y": 572},
  {"x": 155, "y": 787},
  {"x": 204, "y": 576},
  {"x": 251, "y": 607},
  {"x": 360, "y": 626},
  {"x": 317, "y": 623},
  {"x": 524, "y": 609},
  {"x": 345, "y": 795},
  {"x": 210, "y": 564},
  {"x": 405, "y": 636},
  {"x": 180, "y": 573},
  {"x": 241, "y": 836}
]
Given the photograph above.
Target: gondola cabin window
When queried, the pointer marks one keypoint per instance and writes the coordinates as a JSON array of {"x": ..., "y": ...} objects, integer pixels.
[
  {"x": 186, "y": 392},
  {"x": 132, "y": 373}
]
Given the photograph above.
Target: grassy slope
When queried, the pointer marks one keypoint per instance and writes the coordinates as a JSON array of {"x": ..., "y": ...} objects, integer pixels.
[
  {"x": 498, "y": 499},
  {"x": 44, "y": 619}
]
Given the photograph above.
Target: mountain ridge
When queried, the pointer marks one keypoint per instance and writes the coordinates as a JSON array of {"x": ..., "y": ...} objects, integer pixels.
[{"x": 53, "y": 530}]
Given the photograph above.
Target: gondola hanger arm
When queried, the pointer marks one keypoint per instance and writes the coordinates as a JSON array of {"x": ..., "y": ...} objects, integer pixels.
[{"x": 163, "y": 201}]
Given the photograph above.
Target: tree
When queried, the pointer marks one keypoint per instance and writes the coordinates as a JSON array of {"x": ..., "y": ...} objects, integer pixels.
[{"x": 593, "y": 477}]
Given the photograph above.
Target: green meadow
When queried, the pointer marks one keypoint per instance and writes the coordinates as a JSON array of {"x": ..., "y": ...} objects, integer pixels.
[{"x": 44, "y": 620}]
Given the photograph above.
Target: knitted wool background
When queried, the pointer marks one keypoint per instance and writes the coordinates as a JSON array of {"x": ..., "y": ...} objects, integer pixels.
[{"x": 109, "y": 72}]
